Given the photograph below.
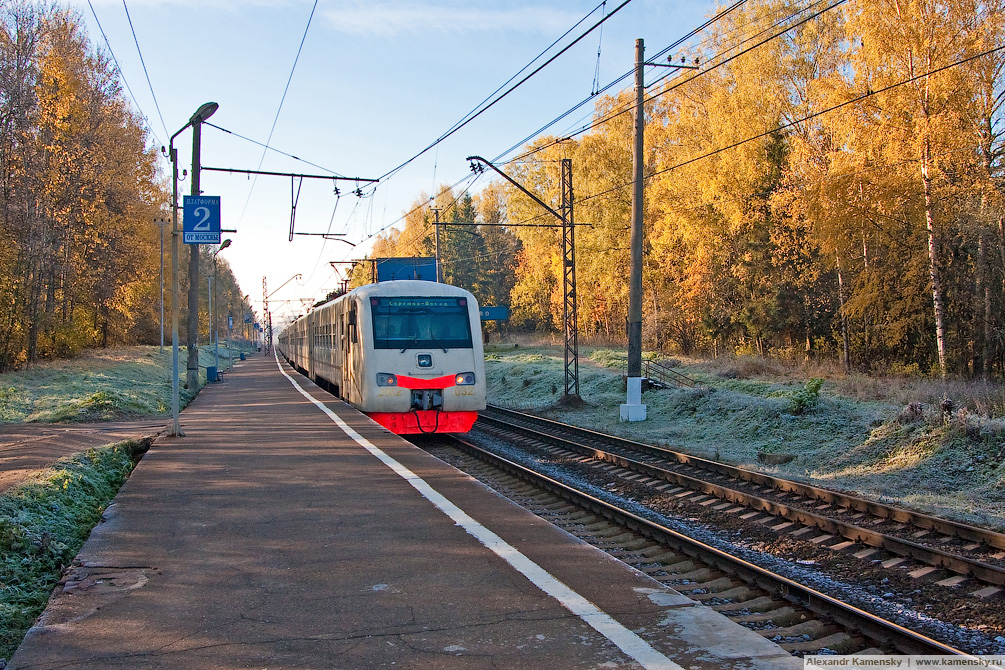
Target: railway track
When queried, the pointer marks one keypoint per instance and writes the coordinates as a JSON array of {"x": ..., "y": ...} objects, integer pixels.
[
  {"x": 926, "y": 548},
  {"x": 800, "y": 619}
]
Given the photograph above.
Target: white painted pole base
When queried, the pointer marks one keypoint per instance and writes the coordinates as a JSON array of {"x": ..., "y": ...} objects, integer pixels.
[{"x": 634, "y": 410}]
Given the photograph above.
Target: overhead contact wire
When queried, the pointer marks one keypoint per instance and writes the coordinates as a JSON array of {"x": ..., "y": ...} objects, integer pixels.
[
  {"x": 279, "y": 110},
  {"x": 507, "y": 92},
  {"x": 122, "y": 74},
  {"x": 143, "y": 63}
]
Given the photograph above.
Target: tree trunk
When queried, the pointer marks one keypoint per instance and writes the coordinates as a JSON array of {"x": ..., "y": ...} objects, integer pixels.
[
  {"x": 933, "y": 259},
  {"x": 845, "y": 354},
  {"x": 982, "y": 306}
]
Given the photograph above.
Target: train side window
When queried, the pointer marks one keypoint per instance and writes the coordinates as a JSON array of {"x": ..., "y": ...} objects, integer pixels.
[{"x": 351, "y": 325}]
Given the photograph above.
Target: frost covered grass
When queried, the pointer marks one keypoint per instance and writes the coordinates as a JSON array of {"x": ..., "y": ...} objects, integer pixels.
[
  {"x": 904, "y": 446},
  {"x": 99, "y": 385},
  {"x": 44, "y": 522}
]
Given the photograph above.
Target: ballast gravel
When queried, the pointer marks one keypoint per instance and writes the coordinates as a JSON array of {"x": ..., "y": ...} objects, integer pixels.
[{"x": 953, "y": 618}]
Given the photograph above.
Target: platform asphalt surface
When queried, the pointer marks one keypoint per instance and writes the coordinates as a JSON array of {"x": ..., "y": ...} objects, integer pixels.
[{"x": 286, "y": 532}]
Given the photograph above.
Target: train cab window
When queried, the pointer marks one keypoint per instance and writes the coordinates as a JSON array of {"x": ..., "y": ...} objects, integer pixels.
[{"x": 420, "y": 323}]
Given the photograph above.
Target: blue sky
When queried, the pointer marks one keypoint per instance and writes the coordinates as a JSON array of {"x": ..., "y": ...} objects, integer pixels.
[{"x": 375, "y": 83}]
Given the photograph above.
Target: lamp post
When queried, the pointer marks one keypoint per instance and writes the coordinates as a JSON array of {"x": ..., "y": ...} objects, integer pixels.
[
  {"x": 214, "y": 335},
  {"x": 200, "y": 115}
]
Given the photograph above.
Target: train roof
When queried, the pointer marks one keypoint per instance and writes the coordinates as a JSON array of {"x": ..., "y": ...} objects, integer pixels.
[
  {"x": 409, "y": 287},
  {"x": 400, "y": 287}
]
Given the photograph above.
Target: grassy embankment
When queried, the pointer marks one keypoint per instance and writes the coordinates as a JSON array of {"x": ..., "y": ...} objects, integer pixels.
[
  {"x": 99, "y": 385},
  {"x": 888, "y": 439},
  {"x": 44, "y": 522}
]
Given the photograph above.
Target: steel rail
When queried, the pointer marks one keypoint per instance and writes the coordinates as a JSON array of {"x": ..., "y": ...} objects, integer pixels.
[
  {"x": 874, "y": 627},
  {"x": 899, "y": 514},
  {"x": 929, "y": 555}
]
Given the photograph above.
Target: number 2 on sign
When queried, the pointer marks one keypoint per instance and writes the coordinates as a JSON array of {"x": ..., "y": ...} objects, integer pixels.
[{"x": 202, "y": 225}]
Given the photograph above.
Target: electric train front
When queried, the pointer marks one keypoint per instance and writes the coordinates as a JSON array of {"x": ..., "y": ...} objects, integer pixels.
[{"x": 426, "y": 373}]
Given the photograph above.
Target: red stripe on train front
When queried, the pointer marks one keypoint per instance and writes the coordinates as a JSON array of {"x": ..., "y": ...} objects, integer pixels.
[
  {"x": 415, "y": 383},
  {"x": 425, "y": 421}
]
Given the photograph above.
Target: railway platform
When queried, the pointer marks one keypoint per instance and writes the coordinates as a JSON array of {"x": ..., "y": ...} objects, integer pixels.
[{"x": 287, "y": 530}]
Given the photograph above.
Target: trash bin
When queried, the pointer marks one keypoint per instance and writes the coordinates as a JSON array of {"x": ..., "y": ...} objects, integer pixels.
[
  {"x": 211, "y": 375},
  {"x": 243, "y": 356}
]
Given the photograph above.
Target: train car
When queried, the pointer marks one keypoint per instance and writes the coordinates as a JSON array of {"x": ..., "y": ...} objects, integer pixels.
[{"x": 407, "y": 353}]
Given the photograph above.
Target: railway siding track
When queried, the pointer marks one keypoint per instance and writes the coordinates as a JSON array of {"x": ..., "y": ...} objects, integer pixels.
[
  {"x": 799, "y": 618},
  {"x": 806, "y": 508}
]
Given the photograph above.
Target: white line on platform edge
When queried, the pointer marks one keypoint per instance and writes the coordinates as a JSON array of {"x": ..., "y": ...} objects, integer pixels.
[{"x": 603, "y": 623}]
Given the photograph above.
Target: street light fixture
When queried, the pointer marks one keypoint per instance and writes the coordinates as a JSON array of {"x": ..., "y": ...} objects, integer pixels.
[{"x": 201, "y": 114}]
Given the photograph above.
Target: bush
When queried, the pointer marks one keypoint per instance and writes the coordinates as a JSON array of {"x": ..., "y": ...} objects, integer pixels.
[{"x": 805, "y": 398}]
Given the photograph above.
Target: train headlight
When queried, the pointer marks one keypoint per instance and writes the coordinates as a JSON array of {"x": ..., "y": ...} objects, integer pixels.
[
  {"x": 465, "y": 379},
  {"x": 385, "y": 379}
]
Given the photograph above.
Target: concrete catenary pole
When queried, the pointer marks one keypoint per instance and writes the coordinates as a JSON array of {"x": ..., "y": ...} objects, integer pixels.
[
  {"x": 633, "y": 409},
  {"x": 192, "y": 367}
]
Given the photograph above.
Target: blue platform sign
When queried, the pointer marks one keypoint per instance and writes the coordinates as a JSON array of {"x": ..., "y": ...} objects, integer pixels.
[
  {"x": 201, "y": 223},
  {"x": 494, "y": 313}
]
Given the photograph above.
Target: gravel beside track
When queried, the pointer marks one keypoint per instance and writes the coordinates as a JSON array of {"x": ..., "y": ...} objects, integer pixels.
[{"x": 969, "y": 624}]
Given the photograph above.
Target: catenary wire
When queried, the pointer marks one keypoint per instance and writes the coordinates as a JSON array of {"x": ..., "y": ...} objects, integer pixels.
[
  {"x": 421, "y": 232},
  {"x": 681, "y": 40},
  {"x": 144, "y": 64},
  {"x": 278, "y": 111},
  {"x": 271, "y": 148},
  {"x": 684, "y": 80},
  {"x": 678, "y": 42},
  {"x": 524, "y": 68},
  {"x": 620, "y": 79},
  {"x": 803, "y": 119},
  {"x": 485, "y": 108},
  {"x": 121, "y": 73},
  {"x": 468, "y": 117}
]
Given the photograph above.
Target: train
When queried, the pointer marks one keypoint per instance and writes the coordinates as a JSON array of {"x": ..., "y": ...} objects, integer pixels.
[{"x": 407, "y": 353}]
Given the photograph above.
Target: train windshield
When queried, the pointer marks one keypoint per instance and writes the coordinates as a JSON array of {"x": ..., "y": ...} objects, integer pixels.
[{"x": 420, "y": 323}]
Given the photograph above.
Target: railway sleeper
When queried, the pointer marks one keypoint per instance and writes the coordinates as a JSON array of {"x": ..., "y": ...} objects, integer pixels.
[
  {"x": 815, "y": 628},
  {"x": 839, "y": 642},
  {"x": 619, "y": 539},
  {"x": 782, "y": 616},
  {"x": 699, "y": 580},
  {"x": 634, "y": 546},
  {"x": 694, "y": 577},
  {"x": 735, "y": 593},
  {"x": 633, "y": 556},
  {"x": 608, "y": 533},
  {"x": 559, "y": 507},
  {"x": 656, "y": 552},
  {"x": 715, "y": 585},
  {"x": 763, "y": 604}
]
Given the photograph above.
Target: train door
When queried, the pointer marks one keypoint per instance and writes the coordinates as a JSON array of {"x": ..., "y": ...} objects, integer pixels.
[
  {"x": 351, "y": 355},
  {"x": 312, "y": 336}
]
